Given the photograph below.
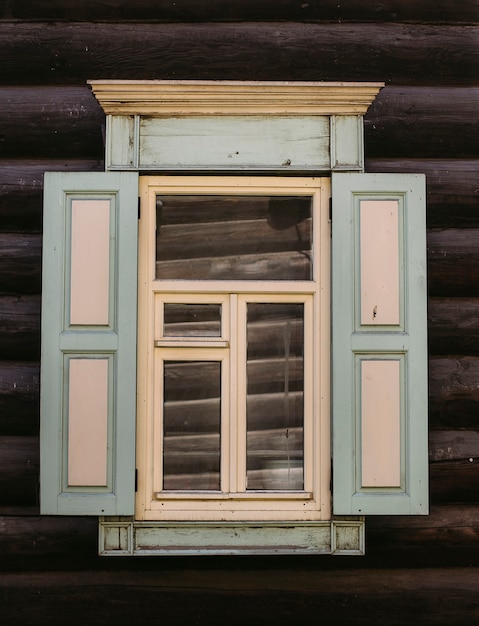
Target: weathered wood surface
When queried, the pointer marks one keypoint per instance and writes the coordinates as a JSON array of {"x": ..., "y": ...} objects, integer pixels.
[
  {"x": 453, "y": 326},
  {"x": 430, "y": 11},
  {"x": 19, "y": 470},
  {"x": 452, "y": 187},
  {"x": 49, "y": 53},
  {"x": 20, "y": 327},
  {"x": 247, "y": 594},
  {"x": 421, "y": 122},
  {"x": 454, "y": 392},
  {"x": 19, "y": 398},
  {"x": 453, "y": 262},
  {"x": 20, "y": 263},
  {"x": 66, "y": 122}
]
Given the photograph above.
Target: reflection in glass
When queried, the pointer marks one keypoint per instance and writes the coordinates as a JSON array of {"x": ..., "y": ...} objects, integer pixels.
[
  {"x": 275, "y": 384},
  {"x": 234, "y": 237},
  {"x": 191, "y": 425},
  {"x": 191, "y": 320}
]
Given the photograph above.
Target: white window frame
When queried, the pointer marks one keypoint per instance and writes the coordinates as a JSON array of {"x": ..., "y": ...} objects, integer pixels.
[{"x": 233, "y": 504}]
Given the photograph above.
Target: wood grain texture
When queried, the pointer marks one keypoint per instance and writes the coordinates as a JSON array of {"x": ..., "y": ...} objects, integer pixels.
[
  {"x": 19, "y": 397},
  {"x": 454, "y": 392},
  {"x": 71, "y": 53},
  {"x": 444, "y": 11},
  {"x": 453, "y": 326},
  {"x": 20, "y": 263},
  {"x": 453, "y": 262},
  {"x": 20, "y": 327},
  {"x": 254, "y": 592}
]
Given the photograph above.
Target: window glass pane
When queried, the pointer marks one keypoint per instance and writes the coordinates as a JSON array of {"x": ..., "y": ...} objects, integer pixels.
[
  {"x": 191, "y": 320},
  {"x": 191, "y": 425},
  {"x": 233, "y": 237},
  {"x": 275, "y": 383}
]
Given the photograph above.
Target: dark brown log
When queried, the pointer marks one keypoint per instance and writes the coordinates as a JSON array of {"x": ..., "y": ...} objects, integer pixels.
[
  {"x": 452, "y": 187},
  {"x": 19, "y": 398},
  {"x": 442, "y": 11},
  {"x": 454, "y": 481},
  {"x": 21, "y": 190},
  {"x": 19, "y": 470},
  {"x": 20, "y": 328},
  {"x": 239, "y": 591},
  {"x": 454, "y": 392},
  {"x": 20, "y": 263},
  {"x": 453, "y": 326},
  {"x": 453, "y": 262},
  {"x": 52, "y": 122},
  {"x": 448, "y": 534},
  {"x": 453, "y": 445},
  {"x": 423, "y": 123},
  {"x": 399, "y": 53},
  {"x": 35, "y": 542}
]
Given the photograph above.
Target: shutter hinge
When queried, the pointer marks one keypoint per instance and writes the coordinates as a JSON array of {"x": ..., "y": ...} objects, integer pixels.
[
  {"x": 136, "y": 480},
  {"x": 330, "y": 209},
  {"x": 331, "y": 478},
  {"x": 139, "y": 208}
]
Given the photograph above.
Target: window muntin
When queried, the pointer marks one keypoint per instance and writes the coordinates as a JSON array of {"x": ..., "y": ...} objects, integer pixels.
[{"x": 265, "y": 339}]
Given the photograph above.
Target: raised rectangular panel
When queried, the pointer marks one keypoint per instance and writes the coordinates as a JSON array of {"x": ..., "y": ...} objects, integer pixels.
[
  {"x": 122, "y": 142},
  {"x": 87, "y": 422},
  {"x": 379, "y": 262},
  {"x": 235, "y": 142},
  {"x": 380, "y": 423},
  {"x": 347, "y": 145},
  {"x": 90, "y": 262}
]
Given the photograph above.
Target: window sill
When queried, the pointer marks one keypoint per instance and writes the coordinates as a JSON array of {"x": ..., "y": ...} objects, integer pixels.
[{"x": 123, "y": 536}]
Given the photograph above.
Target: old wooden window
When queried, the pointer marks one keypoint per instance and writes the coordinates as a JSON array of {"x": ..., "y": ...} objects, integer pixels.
[{"x": 233, "y": 411}]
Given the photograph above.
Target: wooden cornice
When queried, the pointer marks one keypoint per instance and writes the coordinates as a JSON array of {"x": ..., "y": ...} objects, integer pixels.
[{"x": 187, "y": 98}]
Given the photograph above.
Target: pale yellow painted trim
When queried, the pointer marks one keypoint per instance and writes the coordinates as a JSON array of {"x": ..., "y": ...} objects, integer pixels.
[
  {"x": 87, "y": 422},
  {"x": 187, "y": 98},
  {"x": 90, "y": 262},
  {"x": 379, "y": 241},
  {"x": 380, "y": 423},
  {"x": 314, "y": 504}
]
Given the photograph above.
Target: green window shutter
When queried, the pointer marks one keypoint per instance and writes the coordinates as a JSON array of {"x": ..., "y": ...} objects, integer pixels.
[
  {"x": 379, "y": 344},
  {"x": 88, "y": 368}
]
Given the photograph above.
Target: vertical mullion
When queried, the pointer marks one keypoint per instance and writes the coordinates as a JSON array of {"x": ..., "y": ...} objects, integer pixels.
[{"x": 238, "y": 305}]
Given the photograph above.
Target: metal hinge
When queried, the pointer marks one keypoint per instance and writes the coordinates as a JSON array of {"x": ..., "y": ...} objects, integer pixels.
[
  {"x": 330, "y": 209},
  {"x": 139, "y": 208},
  {"x": 136, "y": 480}
]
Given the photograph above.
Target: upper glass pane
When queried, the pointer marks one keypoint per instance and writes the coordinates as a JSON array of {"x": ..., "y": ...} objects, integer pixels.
[{"x": 233, "y": 237}]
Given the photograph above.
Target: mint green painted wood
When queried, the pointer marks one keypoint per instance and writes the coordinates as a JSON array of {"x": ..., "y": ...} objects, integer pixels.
[
  {"x": 351, "y": 341},
  {"x": 122, "y": 142},
  {"x": 218, "y": 143},
  {"x": 347, "y": 143},
  {"x": 116, "y": 341},
  {"x": 123, "y": 536}
]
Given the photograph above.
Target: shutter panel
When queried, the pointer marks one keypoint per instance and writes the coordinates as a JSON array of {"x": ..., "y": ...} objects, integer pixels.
[
  {"x": 88, "y": 369},
  {"x": 379, "y": 367}
]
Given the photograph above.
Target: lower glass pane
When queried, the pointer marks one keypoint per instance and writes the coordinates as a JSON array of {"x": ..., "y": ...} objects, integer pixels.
[
  {"x": 275, "y": 406},
  {"x": 191, "y": 425}
]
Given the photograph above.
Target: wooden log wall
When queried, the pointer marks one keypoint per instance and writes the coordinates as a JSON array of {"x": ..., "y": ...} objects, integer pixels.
[{"x": 424, "y": 120}]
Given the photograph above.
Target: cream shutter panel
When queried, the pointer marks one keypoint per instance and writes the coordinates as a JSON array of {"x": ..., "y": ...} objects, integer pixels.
[
  {"x": 88, "y": 368},
  {"x": 379, "y": 367}
]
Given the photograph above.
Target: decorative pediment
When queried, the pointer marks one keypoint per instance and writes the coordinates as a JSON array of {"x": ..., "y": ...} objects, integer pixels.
[{"x": 186, "y": 98}]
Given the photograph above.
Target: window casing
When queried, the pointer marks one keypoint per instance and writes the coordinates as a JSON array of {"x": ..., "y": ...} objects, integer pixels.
[{"x": 242, "y": 480}]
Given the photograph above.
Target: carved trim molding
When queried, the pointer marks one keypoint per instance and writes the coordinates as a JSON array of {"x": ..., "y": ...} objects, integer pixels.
[{"x": 190, "y": 98}]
